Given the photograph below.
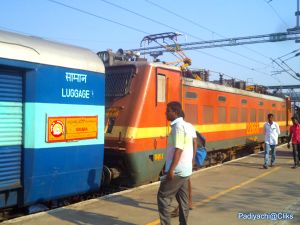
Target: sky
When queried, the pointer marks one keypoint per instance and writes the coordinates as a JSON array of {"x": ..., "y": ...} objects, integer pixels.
[{"x": 112, "y": 24}]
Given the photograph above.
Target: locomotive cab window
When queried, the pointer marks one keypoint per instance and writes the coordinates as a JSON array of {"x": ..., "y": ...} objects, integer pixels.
[
  {"x": 118, "y": 80},
  {"x": 161, "y": 88}
]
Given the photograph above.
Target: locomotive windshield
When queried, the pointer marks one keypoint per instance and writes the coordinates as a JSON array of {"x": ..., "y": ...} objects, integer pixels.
[{"x": 118, "y": 80}]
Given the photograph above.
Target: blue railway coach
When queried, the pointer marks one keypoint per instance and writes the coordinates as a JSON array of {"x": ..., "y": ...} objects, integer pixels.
[{"x": 51, "y": 120}]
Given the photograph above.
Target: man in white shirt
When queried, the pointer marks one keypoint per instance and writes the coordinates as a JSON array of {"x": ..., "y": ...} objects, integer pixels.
[
  {"x": 179, "y": 165},
  {"x": 271, "y": 131}
]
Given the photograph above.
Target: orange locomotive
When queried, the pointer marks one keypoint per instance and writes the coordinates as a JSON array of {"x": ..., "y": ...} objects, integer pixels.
[{"x": 137, "y": 92}]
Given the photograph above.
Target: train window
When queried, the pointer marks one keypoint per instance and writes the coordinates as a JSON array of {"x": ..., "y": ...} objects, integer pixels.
[
  {"x": 261, "y": 103},
  {"x": 161, "y": 88},
  {"x": 192, "y": 95},
  {"x": 118, "y": 80},
  {"x": 207, "y": 115},
  {"x": 253, "y": 115},
  {"x": 191, "y": 113},
  {"x": 244, "y": 115},
  {"x": 221, "y": 114},
  {"x": 233, "y": 115},
  {"x": 244, "y": 101},
  {"x": 222, "y": 99},
  {"x": 261, "y": 115},
  {"x": 274, "y": 105}
]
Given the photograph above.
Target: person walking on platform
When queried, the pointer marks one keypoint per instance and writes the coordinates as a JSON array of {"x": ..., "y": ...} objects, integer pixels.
[
  {"x": 178, "y": 166},
  {"x": 199, "y": 142},
  {"x": 271, "y": 131},
  {"x": 295, "y": 137}
]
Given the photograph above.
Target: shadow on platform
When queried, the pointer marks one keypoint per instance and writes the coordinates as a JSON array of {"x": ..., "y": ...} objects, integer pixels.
[
  {"x": 121, "y": 199},
  {"x": 82, "y": 217}
]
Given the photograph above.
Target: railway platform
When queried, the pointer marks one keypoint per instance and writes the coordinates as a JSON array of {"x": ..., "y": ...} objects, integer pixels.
[{"x": 237, "y": 192}]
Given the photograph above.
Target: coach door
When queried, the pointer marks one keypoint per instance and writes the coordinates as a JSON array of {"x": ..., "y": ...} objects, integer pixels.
[
  {"x": 172, "y": 84},
  {"x": 168, "y": 89},
  {"x": 11, "y": 120}
]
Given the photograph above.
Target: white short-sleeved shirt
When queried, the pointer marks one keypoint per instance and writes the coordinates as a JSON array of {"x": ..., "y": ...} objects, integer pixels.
[
  {"x": 272, "y": 132},
  {"x": 181, "y": 137}
]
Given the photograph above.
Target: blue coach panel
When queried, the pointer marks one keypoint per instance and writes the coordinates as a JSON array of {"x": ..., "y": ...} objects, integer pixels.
[{"x": 63, "y": 116}]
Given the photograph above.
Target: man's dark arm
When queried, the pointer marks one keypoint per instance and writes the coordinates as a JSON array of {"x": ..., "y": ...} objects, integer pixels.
[{"x": 195, "y": 145}]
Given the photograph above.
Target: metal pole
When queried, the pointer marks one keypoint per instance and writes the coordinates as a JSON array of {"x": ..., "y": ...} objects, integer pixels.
[{"x": 297, "y": 13}]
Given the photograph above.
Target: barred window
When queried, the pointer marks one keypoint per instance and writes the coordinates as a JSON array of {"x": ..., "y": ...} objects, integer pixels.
[
  {"x": 253, "y": 115},
  {"x": 207, "y": 115},
  {"x": 244, "y": 113},
  {"x": 221, "y": 114},
  {"x": 261, "y": 115},
  {"x": 233, "y": 115},
  {"x": 191, "y": 113}
]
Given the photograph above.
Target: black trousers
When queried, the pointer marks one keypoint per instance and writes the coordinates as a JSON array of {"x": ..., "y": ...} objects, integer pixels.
[
  {"x": 296, "y": 153},
  {"x": 177, "y": 187}
]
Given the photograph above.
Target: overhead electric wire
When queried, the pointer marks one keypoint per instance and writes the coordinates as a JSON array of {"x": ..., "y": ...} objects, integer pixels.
[
  {"x": 199, "y": 25},
  {"x": 158, "y": 22},
  {"x": 163, "y": 24},
  {"x": 141, "y": 31},
  {"x": 285, "y": 70},
  {"x": 288, "y": 53},
  {"x": 97, "y": 16},
  {"x": 277, "y": 14},
  {"x": 297, "y": 74},
  {"x": 296, "y": 55},
  {"x": 232, "y": 77}
]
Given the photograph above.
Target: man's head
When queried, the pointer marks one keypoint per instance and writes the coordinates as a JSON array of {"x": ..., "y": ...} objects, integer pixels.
[
  {"x": 295, "y": 120},
  {"x": 174, "y": 110},
  {"x": 270, "y": 117}
]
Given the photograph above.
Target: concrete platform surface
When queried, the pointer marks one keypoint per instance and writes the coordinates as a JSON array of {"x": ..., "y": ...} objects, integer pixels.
[{"x": 238, "y": 192}]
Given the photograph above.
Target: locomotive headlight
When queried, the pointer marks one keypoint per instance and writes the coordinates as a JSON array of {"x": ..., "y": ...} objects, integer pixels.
[{"x": 104, "y": 56}]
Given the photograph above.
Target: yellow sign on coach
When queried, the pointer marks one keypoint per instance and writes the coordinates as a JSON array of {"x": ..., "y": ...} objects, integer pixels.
[{"x": 72, "y": 128}]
